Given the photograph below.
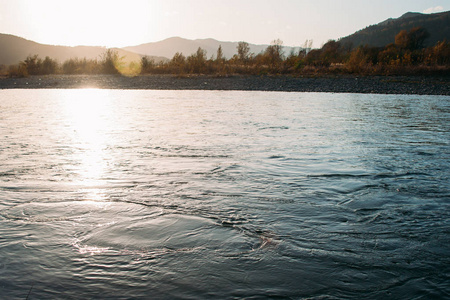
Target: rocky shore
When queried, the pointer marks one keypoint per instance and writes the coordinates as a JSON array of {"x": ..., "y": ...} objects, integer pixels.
[{"x": 332, "y": 84}]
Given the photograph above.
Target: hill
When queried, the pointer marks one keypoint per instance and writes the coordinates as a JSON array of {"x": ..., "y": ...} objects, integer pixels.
[
  {"x": 170, "y": 46},
  {"x": 382, "y": 34},
  {"x": 14, "y": 49}
]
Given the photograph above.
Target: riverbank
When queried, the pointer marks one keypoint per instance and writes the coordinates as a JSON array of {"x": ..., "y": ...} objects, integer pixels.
[{"x": 420, "y": 85}]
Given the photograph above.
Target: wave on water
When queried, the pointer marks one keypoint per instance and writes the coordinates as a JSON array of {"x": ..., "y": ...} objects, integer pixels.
[{"x": 206, "y": 194}]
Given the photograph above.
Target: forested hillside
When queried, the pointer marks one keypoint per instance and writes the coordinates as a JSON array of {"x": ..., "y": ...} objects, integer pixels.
[{"x": 382, "y": 34}]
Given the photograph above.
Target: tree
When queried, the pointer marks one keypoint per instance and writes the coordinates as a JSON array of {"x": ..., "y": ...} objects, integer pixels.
[
  {"x": 178, "y": 59},
  {"x": 402, "y": 39},
  {"x": 81, "y": 66},
  {"x": 278, "y": 47},
  {"x": 147, "y": 64},
  {"x": 359, "y": 59},
  {"x": 49, "y": 66},
  {"x": 273, "y": 55},
  {"x": 439, "y": 54},
  {"x": 33, "y": 64},
  {"x": 243, "y": 50},
  {"x": 18, "y": 70},
  {"x": 197, "y": 61},
  {"x": 178, "y": 62},
  {"x": 219, "y": 55},
  {"x": 219, "y": 63},
  {"x": 390, "y": 55},
  {"x": 111, "y": 62},
  {"x": 417, "y": 37},
  {"x": 307, "y": 46},
  {"x": 412, "y": 40},
  {"x": 331, "y": 53},
  {"x": 313, "y": 57},
  {"x": 293, "y": 59}
]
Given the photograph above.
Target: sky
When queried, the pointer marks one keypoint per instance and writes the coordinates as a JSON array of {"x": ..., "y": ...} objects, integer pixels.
[{"x": 118, "y": 23}]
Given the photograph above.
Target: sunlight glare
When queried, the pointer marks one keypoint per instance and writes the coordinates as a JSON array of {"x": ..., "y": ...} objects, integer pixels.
[
  {"x": 96, "y": 23},
  {"x": 87, "y": 112}
]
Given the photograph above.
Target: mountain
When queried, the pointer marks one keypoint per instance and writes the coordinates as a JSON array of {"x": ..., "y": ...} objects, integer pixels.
[
  {"x": 14, "y": 49},
  {"x": 170, "y": 46},
  {"x": 382, "y": 34}
]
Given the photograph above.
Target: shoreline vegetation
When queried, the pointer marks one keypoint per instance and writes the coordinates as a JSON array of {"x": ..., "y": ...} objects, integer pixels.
[{"x": 403, "y": 67}]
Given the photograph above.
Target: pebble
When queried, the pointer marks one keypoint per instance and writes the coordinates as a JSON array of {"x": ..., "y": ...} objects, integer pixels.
[{"x": 420, "y": 85}]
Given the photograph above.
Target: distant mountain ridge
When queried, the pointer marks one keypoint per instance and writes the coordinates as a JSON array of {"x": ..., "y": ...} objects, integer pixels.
[
  {"x": 383, "y": 33},
  {"x": 14, "y": 49},
  {"x": 170, "y": 46}
]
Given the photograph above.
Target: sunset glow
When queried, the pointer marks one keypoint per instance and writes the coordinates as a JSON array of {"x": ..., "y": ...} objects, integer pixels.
[
  {"x": 84, "y": 22},
  {"x": 134, "y": 22}
]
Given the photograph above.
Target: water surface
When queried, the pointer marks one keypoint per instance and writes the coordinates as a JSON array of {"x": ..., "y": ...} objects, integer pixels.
[{"x": 212, "y": 194}]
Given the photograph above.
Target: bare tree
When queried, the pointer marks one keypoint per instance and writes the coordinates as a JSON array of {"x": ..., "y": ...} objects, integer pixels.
[{"x": 307, "y": 46}]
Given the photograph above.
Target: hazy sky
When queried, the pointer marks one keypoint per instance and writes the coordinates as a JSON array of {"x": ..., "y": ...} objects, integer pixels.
[{"x": 115, "y": 23}]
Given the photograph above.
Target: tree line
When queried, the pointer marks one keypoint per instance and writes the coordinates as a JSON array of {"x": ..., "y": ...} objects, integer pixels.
[
  {"x": 109, "y": 63},
  {"x": 407, "y": 55}
]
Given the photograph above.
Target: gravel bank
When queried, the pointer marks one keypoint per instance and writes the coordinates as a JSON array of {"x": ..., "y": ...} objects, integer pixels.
[{"x": 333, "y": 84}]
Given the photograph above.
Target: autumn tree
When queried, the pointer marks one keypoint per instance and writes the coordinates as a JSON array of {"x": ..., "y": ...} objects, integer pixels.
[
  {"x": 111, "y": 62},
  {"x": 49, "y": 66},
  {"x": 220, "y": 60},
  {"x": 243, "y": 50},
  {"x": 197, "y": 61},
  {"x": 273, "y": 55},
  {"x": 33, "y": 64},
  {"x": 401, "y": 39},
  {"x": 178, "y": 62},
  {"x": 360, "y": 60},
  {"x": 147, "y": 64},
  {"x": 313, "y": 57},
  {"x": 439, "y": 54},
  {"x": 390, "y": 55},
  {"x": 219, "y": 55},
  {"x": 331, "y": 53},
  {"x": 412, "y": 40},
  {"x": 417, "y": 37},
  {"x": 18, "y": 70},
  {"x": 293, "y": 59}
]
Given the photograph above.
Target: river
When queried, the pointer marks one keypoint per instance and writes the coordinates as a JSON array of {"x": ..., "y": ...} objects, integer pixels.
[{"x": 133, "y": 194}]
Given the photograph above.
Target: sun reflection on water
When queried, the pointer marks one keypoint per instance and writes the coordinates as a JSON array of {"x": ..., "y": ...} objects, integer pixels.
[
  {"x": 92, "y": 250},
  {"x": 88, "y": 116}
]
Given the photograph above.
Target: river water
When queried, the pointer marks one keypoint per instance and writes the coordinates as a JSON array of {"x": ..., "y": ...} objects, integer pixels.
[{"x": 113, "y": 194}]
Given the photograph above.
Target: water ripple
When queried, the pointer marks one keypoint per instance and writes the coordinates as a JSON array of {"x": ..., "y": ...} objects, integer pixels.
[{"x": 195, "y": 194}]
